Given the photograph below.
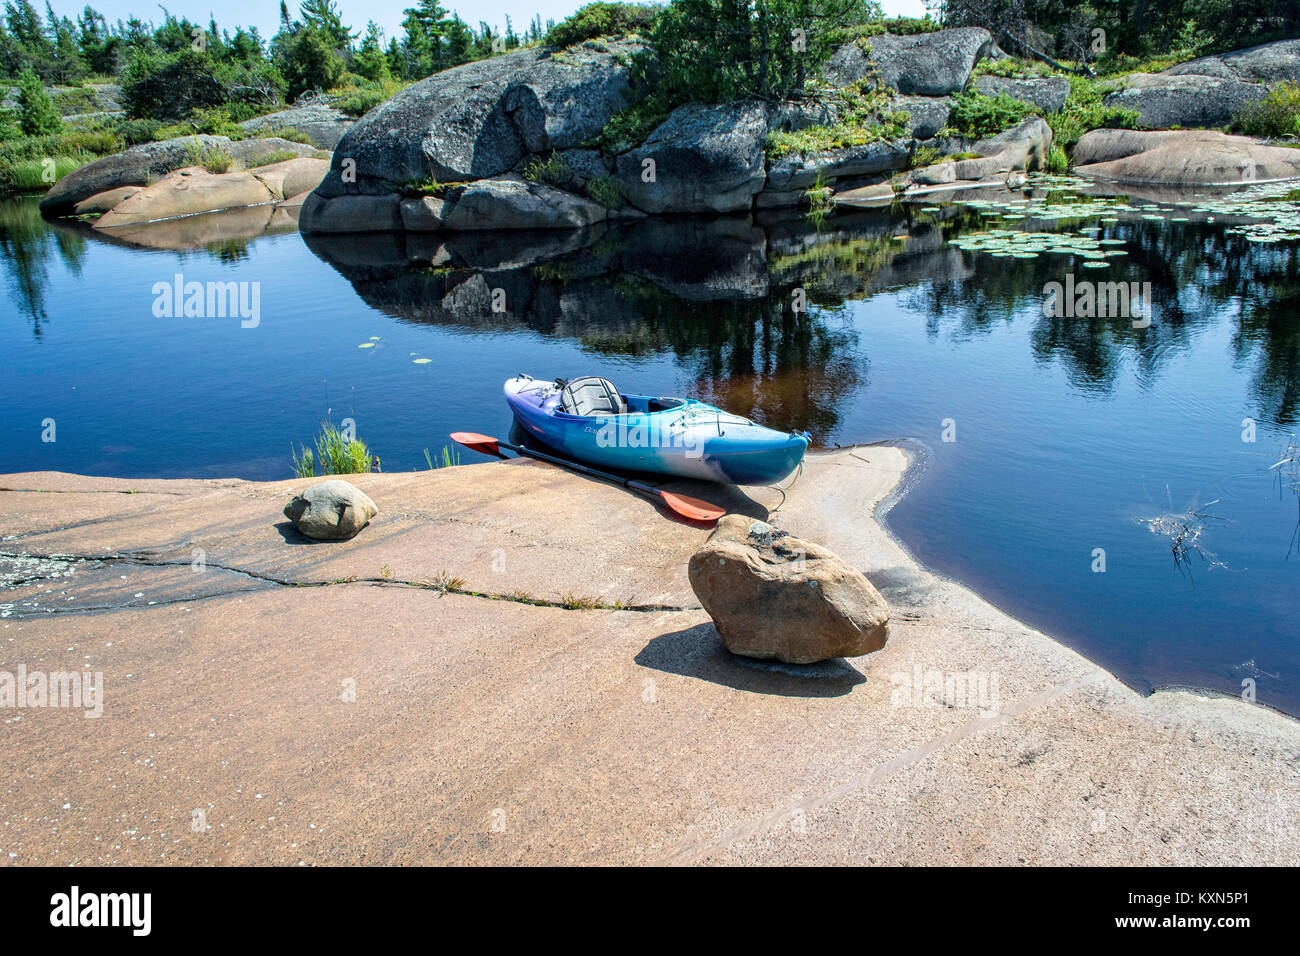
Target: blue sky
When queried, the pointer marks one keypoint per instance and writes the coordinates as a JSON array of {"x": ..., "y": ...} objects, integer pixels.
[{"x": 265, "y": 14}]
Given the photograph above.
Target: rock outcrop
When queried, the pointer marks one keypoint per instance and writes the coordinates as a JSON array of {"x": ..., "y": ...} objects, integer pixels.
[
  {"x": 331, "y": 510},
  {"x": 1181, "y": 157},
  {"x": 478, "y": 120},
  {"x": 926, "y": 64},
  {"x": 1163, "y": 100},
  {"x": 700, "y": 159},
  {"x": 323, "y": 125},
  {"x": 143, "y": 164},
  {"x": 772, "y": 595},
  {"x": 1048, "y": 93},
  {"x": 1268, "y": 63}
]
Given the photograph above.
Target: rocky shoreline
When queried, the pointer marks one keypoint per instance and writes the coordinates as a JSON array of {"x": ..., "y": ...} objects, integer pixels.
[{"x": 531, "y": 691}]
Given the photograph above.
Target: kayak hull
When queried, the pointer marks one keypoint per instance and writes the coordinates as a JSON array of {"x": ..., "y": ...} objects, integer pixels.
[{"x": 678, "y": 437}]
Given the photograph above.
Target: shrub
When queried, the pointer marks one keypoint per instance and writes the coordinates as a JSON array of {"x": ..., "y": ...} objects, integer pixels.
[
  {"x": 311, "y": 63},
  {"x": 1084, "y": 110},
  {"x": 170, "y": 86},
  {"x": 358, "y": 96},
  {"x": 602, "y": 19},
  {"x": 630, "y": 126},
  {"x": 1277, "y": 114},
  {"x": 975, "y": 115},
  {"x": 136, "y": 131},
  {"x": 36, "y": 113},
  {"x": 552, "y": 171},
  {"x": 607, "y": 191}
]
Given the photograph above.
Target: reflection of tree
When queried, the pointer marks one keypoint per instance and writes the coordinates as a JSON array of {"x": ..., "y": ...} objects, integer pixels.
[
  {"x": 1268, "y": 329},
  {"x": 25, "y": 242}
]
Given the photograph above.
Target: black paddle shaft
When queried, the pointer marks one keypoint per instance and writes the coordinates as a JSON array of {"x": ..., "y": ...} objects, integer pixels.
[{"x": 582, "y": 469}]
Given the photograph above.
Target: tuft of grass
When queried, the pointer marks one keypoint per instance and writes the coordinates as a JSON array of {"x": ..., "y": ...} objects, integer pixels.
[
  {"x": 577, "y": 602},
  {"x": 288, "y": 132},
  {"x": 552, "y": 171},
  {"x": 607, "y": 191},
  {"x": 279, "y": 156},
  {"x": 334, "y": 454},
  {"x": 31, "y": 174},
  {"x": 1057, "y": 160},
  {"x": 449, "y": 459},
  {"x": 445, "y": 582},
  {"x": 212, "y": 158}
]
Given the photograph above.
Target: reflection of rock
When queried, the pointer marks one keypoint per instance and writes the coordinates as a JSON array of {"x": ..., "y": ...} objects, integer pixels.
[
  {"x": 1179, "y": 157},
  {"x": 700, "y": 159},
  {"x": 1048, "y": 93},
  {"x": 699, "y": 260},
  {"x": 196, "y": 232},
  {"x": 927, "y": 64}
]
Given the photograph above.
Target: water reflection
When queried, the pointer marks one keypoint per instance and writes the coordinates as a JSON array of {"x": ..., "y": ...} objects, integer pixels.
[{"x": 27, "y": 244}]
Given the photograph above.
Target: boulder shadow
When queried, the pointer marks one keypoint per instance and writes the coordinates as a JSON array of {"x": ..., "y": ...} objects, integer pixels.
[
  {"x": 291, "y": 535},
  {"x": 698, "y": 652}
]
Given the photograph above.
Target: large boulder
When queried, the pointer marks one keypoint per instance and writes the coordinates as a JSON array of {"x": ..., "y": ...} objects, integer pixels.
[
  {"x": 1267, "y": 63},
  {"x": 700, "y": 159},
  {"x": 510, "y": 202},
  {"x": 137, "y": 166},
  {"x": 1181, "y": 157},
  {"x": 293, "y": 177},
  {"x": 323, "y": 125},
  {"x": 926, "y": 114},
  {"x": 350, "y": 214},
  {"x": 1048, "y": 93},
  {"x": 772, "y": 595},
  {"x": 1184, "y": 100},
  {"x": 480, "y": 119},
  {"x": 331, "y": 510},
  {"x": 187, "y": 192},
  {"x": 927, "y": 64},
  {"x": 801, "y": 170}
]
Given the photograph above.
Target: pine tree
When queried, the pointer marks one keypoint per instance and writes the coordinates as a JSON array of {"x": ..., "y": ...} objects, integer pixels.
[{"x": 36, "y": 113}]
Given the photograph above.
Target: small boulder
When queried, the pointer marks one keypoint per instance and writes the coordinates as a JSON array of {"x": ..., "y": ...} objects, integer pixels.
[
  {"x": 331, "y": 510},
  {"x": 1048, "y": 93},
  {"x": 772, "y": 595},
  {"x": 924, "y": 64}
]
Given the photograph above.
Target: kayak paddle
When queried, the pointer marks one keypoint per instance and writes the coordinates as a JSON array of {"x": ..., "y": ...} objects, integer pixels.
[{"x": 693, "y": 509}]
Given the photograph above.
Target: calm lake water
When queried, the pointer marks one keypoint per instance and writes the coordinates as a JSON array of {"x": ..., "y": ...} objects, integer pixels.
[{"x": 1070, "y": 434}]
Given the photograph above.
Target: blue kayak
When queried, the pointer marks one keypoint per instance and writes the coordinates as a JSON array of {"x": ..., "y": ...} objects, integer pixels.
[{"x": 589, "y": 420}]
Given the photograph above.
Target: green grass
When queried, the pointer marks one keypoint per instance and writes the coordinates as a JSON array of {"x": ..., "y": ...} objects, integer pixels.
[
  {"x": 287, "y": 132},
  {"x": 212, "y": 158},
  {"x": 449, "y": 459},
  {"x": 551, "y": 171},
  {"x": 1057, "y": 160},
  {"x": 30, "y": 174},
  {"x": 334, "y": 454},
  {"x": 363, "y": 95},
  {"x": 1012, "y": 67},
  {"x": 629, "y": 127},
  {"x": 278, "y": 156},
  {"x": 22, "y": 158},
  {"x": 607, "y": 191}
]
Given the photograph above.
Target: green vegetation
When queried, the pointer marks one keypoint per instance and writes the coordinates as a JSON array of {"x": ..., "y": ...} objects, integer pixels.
[
  {"x": 1276, "y": 115},
  {"x": 27, "y": 162},
  {"x": 975, "y": 115},
  {"x": 212, "y": 158},
  {"x": 865, "y": 117},
  {"x": 552, "y": 171},
  {"x": 631, "y": 125},
  {"x": 449, "y": 459},
  {"x": 607, "y": 191},
  {"x": 1057, "y": 160},
  {"x": 36, "y": 113},
  {"x": 270, "y": 159},
  {"x": 1084, "y": 110},
  {"x": 602, "y": 20},
  {"x": 336, "y": 453}
]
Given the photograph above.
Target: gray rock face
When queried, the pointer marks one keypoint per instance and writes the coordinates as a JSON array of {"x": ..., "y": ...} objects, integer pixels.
[
  {"x": 794, "y": 115},
  {"x": 133, "y": 167},
  {"x": 928, "y": 64},
  {"x": 1184, "y": 100},
  {"x": 700, "y": 159},
  {"x": 350, "y": 214},
  {"x": 513, "y": 203},
  {"x": 801, "y": 170},
  {"x": 480, "y": 119},
  {"x": 1048, "y": 93},
  {"x": 772, "y": 595},
  {"x": 926, "y": 114},
  {"x": 323, "y": 125},
  {"x": 1268, "y": 63},
  {"x": 331, "y": 510}
]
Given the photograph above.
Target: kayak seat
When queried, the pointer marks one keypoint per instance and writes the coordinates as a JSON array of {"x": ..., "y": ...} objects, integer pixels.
[{"x": 591, "y": 396}]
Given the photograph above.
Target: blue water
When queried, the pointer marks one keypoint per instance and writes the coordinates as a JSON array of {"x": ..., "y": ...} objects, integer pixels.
[{"x": 1068, "y": 432}]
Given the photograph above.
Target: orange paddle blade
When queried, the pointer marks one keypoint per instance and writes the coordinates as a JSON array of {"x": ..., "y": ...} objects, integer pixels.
[
  {"x": 483, "y": 443},
  {"x": 692, "y": 508}
]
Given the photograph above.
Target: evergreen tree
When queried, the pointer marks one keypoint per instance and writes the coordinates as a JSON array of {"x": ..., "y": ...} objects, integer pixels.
[
  {"x": 36, "y": 113},
  {"x": 370, "y": 61},
  {"x": 323, "y": 16}
]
